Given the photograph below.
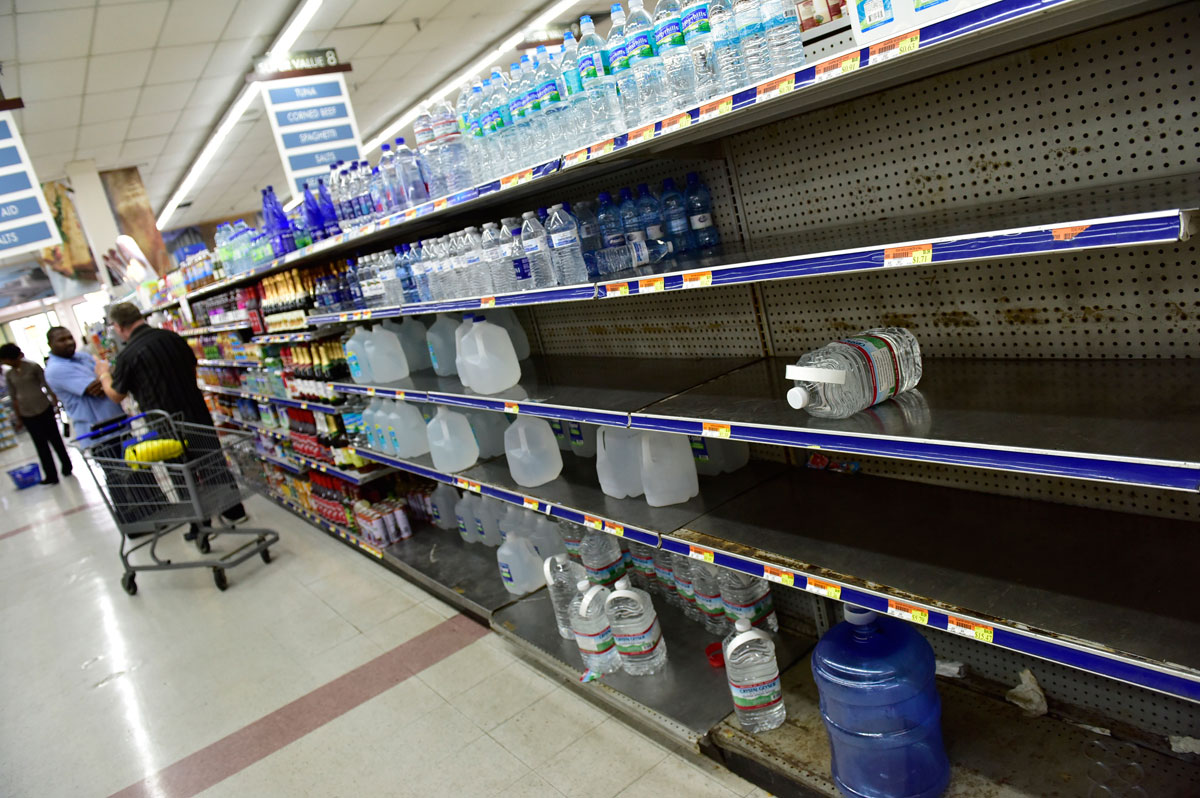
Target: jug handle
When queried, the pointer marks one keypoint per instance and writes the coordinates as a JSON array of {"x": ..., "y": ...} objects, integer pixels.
[
  {"x": 588, "y": 598},
  {"x": 546, "y": 571},
  {"x": 747, "y": 636},
  {"x": 629, "y": 594}
]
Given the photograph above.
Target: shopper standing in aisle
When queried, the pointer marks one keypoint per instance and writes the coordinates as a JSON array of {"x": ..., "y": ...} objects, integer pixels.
[
  {"x": 71, "y": 374},
  {"x": 34, "y": 402}
]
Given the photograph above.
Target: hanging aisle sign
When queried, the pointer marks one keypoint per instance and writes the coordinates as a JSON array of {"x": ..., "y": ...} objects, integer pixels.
[
  {"x": 310, "y": 113},
  {"x": 25, "y": 220}
]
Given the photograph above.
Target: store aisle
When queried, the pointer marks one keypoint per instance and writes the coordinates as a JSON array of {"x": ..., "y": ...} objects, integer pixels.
[{"x": 320, "y": 674}]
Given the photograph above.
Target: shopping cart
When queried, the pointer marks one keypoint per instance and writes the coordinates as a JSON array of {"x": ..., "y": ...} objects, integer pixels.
[{"x": 158, "y": 473}]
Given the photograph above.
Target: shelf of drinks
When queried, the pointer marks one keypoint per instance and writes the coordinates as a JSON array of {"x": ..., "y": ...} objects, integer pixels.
[
  {"x": 293, "y": 337},
  {"x": 215, "y": 328},
  {"x": 285, "y": 463},
  {"x": 960, "y": 39},
  {"x": 325, "y": 525},
  {"x": 233, "y": 364},
  {"x": 303, "y": 404},
  {"x": 278, "y": 434},
  {"x": 539, "y": 296},
  {"x": 1035, "y": 577},
  {"x": 352, "y": 475}
]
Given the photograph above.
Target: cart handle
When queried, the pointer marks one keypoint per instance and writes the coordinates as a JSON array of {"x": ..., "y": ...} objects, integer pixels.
[{"x": 110, "y": 427}]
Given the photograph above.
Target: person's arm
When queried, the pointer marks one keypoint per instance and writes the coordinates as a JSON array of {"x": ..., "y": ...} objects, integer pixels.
[
  {"x": 106, "y": 381},
  {"x": 12, "y": 391},
  {"x": 69, "y": 382}
]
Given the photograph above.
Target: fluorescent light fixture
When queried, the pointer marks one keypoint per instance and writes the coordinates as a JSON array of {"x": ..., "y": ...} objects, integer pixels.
[{"x": 296, "y": 25}]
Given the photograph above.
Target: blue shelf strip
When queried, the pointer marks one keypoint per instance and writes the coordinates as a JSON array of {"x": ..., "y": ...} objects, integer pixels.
[
  {"x": 1079, "y": 656},
  {"x": 235, "y": 364},
  {"x": 215, "y": 328},
  {"x": 286, "y": 465},
  {"x": 390, "y": 393},
  {"x": 570, "y": 293}
]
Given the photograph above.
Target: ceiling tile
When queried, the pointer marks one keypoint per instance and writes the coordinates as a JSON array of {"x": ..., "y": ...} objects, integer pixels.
[
  {"x": 51, "y": 141},
  {"x": 171, "y": 64},
  {"x": 417, "y": 9},
  {"x": 192, "y": 21},
  {"x": 368, "y": 12},
  {"x": 213, "y": 91},
  {"x": 117, "y": 70},
  {"x": 51, "y": 35},
  {"x": 330, "y": 13},
  {"x": 461, "y": 9},
  {"x": 186, "y": 140},
  {"x": 6, "y": 6},
  {"x": 11, "y": 80},
  {"x": 143, "y": 149},
  {"x": 52, "y": 115},
  {"x": 8, "y": 38},
  {"x": 310, "y": 40},
  {"x": 106, "y": 156},
  {"x": 365, "y": 68},
  {"x": 128, "y": 27},
  {"x": 49, "y": 80},
  {"x": 110, "y": 105},
  {"x": 235, "y": 57},
  {"x": 153, "y": 124},
  {"x": 168, "y": 97},
  {"x": 52, "y": 167},
  {"x": 25, "y": 6},
  {"x": 388, "y": 39},
  {"x": 102, "y": 133},
  {"x": 260, "y": 17},
  {"x": 347, "y": 41}
]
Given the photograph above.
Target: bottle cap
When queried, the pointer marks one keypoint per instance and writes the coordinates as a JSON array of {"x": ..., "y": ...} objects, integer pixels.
[
  {"x": 604, "y": 196},
  {"x": 742, "y": 624},
  {"x": 859, "y": 616},
  {"x": 669, "y": 184},
  {"x": 582, "y": 585},
  {"x": 798, "y": 398},
  {"x": 399, "y": 139},
  {"x": 385, "y": 147},
  {"x": 622, "y": 583}
]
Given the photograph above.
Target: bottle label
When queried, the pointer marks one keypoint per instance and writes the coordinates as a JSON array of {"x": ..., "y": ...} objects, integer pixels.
[
  {"x": 476, "y": 128},
  {"x": 432, "y": 355},
  {"x": 355, "y": 366},
  {"x": 699, "y": 450},
  {"x": 606, "y": 575},
  {"x": 695, "y": 21},
  {"x": 757, "y": 612},
  {"x": 677, "y": 223},
  {"x": 873, "y": 13},
  {"x": 645, "y": 565},
  {"x": 587, "y": 68},
  {"x": 596, "y": 643},
  {"x": 879, "y": 351},
  {"x": 576, "y": 433},
  {"x": 462, "y": 526},
  {"x": 573, "y": 82},
  {"x": 668, "y": 34},
  {"x": 572, "y": 545},
  {"x": 665, "y": 574},
  {"x": 712, "y": 606},
  {"x": 616, "y": 59},
  {"x": 640, "y": 47},
  {"x": 394, "y": 438},
  {"x": 436, "y": 513},
  {"x": 547, "y": 94},
  {"x": 472, "y": 259},
  {"x": 564, "y": 238},
  {"x": 521, "y": 268},
  {"x": 528, "y": 102},
  {"x": 635, "y": 235},
  {"x": 639, "y": 643},
  {"x": 614, "y": 239},
  {"x": 654, "y": 231},
  {"x": 503, "y": 117},
  {"x": 749, "y": 24},
  {"x": 556, "y": 428},
  {"x": 444, "y": 128},
  {"x": 683, "y": 587},
  {"x": 533, "y": 245},
  {"x": 424, "y": 135},
  {"x": 757, "y": 695},
  {"x": 506, "y": 573},
  {"x": 701, "y": 221},
  {"x": 516, "y": 107}
]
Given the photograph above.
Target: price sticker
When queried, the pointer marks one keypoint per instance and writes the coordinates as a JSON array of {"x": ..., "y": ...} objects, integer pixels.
[
  {"x": 836, "y": 66},
  {"x": 1068, "y": 233},
  {"x": 508, "y": 181},
  {"x": 304, "y": 405},
  {"x": 512, "y": 407},
  {"x": 366, "y": 229},
  {"x": 374, "y": 552},
  {"x": 474, "y": 487},
  {"x": 650, "y": 285},
  {"x": 910, "y": 42},
  {"x": 370, "y": 391},
  {"x": 366, "y": 314},
  {"x": 716, "y": 108},
  {"x": 616, "y": 289},
  {"x": 576, "y": 157},
  {"x": 534, "y": 504},
  {"x": 908, "y": 256},
  {"x": 777, "y": 87},
  {"x": 603, "y": 148},
  {"x": 487, "y": 302},
  {"x": 385, "y": 222},
  {"x": 461, "y": 483},
  {"x": 697, "y": 279},
  {"x": 961, "y": 626},
  {"x": 822, "y": 588},
  {"x": 641, "y": 134},
  {"x": 525, "y": 176},
  {"x": 701, "y": 553},
  {"x": 907, "y": 612},
  {"x": 398, "y": 394},
  {"x": 410, "y": 213},
  {"x": 780, "y": 576},
  {"x": 677, "y": 122},
  {"x": 591, "y": 522},
  {"x": 900, "y": 45},
  {"x": 614, "y": 529},
  {"x": 440, "y": 204},
  {"x": 711, "y": 430}
]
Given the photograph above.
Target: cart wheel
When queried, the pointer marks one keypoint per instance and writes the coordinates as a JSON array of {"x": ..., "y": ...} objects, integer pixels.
[
  {"x": 265, "y": 554},
  {"x": 219, "y": 578},
  {"x": 129, "y": 583},
  {"x": 202, "y": 543}
]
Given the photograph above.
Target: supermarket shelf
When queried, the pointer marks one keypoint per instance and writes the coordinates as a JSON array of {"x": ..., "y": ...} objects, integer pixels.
[
  {"x": 275, "y": 400},
  {"x": 228, "y": 391},
  {"x": 215, "y": 328},
  {"x": 351, "y": 475},
  {"x": 278, "y": 434},
  {"x": 1043, "y": 579},
  {"x": 234, "y": 364},
  {"x": 297, "y": 336},
  {"x": 687, "y": 699},
  {"x": 540, "y": 296},
  {"x": 1084, "y": 419},
  {"x": 461, "y": 574},
  {"x": 285, "y": 463},
  {"x": 325, "y": 525}
]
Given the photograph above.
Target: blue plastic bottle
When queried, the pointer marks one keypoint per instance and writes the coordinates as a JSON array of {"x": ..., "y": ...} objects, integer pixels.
[
  {"x": 651, "y": 213},
  {"x": 631, "y": 220},
  {"x": 674, "y": 211},
  {"x": 699, "y": 208},
  {"x": 881, "y": 708}
]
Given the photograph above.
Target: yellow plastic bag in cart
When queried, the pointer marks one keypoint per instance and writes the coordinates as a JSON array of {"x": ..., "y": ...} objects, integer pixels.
[{"x": 154, "y": 451}]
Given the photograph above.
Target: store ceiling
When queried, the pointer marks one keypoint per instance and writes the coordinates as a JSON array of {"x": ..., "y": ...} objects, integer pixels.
[{"x": 144, "y": 83}]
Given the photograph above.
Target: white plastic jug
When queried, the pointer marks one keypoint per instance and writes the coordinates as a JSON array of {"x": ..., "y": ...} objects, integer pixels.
[
  {"x": 668, "y": 470},
  {"x": 619, "y": 461},
  {"x": 407, "y": 430},
  {"x": 543, "y": 534},
  {"x": 412, "y": 338},
  {"x": 464, "y": 516},
  {"x": 388, "y": 360},
  {"x": 442, "y": 502},
  {"x": 520, "y": 567},
  {"x": 489, "y": 427},
  {"x": 533, "y": 455},
  {"x": 718, "y": 455},
  {"x": 487, "y": 520},
  {"x": 487, "y": 355},
  {"x": 465, "y": 375},
  {"x": 514, "y": 519},
  {"x": 368, "y": 424},
  {"x": 451, "y": 442},
  {"x": 356, "y": 356},
  {"x": 440, "y": 341},
  {"x": 507, "y": 318}
]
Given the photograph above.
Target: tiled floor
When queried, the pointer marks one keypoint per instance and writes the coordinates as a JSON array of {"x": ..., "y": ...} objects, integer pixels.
[{"x": 102, "y": 691}]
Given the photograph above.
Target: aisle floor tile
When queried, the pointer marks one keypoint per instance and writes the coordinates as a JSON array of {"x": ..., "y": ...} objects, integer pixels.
[
  {"x": 585, "y": 768},
  {"x": 538, "y": 732}
]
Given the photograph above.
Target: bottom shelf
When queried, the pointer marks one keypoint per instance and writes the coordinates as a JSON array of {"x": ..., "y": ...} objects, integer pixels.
[{"x": 463, "y": 575}]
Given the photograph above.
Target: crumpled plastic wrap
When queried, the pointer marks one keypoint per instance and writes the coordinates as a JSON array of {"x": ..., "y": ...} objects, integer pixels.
[{"x": 1028, "y": 695}]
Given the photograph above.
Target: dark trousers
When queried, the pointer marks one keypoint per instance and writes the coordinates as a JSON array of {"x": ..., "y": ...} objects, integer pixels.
[{"x": 43, "y": 428}]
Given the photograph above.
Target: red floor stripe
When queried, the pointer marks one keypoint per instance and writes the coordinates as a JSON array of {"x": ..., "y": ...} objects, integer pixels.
[
  {"x": 48, "y": 519},
  {"x": 238, "y": 751}
]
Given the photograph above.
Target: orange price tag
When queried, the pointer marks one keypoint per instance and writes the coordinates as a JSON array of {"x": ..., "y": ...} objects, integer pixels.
[
  {"x": 777, "y": 87},
  {"x": 370, "y": 391},
  {"x": 508, "y": 181},
  {"x": 343, "y": 316},
  {"x": 716, "y": 108},
  {"x": 512, "y": 407},
  {"x": 908, "y": 612},
  {"x": 641, "y": 134},
  {"x": 603, "y": 148},
  {"x": 614, "y": 529},
  {"x": 701, "y": 553},
  {"x": 576, "y": 157},
  {"x": 650, "y": 285},
  {"x": 591, "y": 522},
  {"x": 779, "y": 575},
  {"x": 836, "y": 66},
  {"x": 711, "y": 430},
  {"x": 961, "y": 626},
  {"x": 908, "y": 256},
  {"x": 439, "y": 204},
  {"x": 1068, "y": 233},
  {"x": 399, "y": 394},
  {"x": 697, "y": 279},
  {"x": 616, "y": 289},
  {"x": 677, "y": 122},
  {"x": 409, "y": 213},
  {"x": 461, "y": 483},
  {"x": 533, "y": 504},
  {"x": 366, "y": 229},
  {"x": 823, "y": 588},
  {"x": 910, "y": 42},
  {"x": 487, "y": 302}
]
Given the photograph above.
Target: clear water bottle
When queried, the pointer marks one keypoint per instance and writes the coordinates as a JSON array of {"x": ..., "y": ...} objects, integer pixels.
[
  {"x": 409, "y": 169},
  {"x": 752, "y": 35},
  {"x": 664, "y": 574},
  {"x": 498, "y": 266},
  {"x": 844, "y": 377},
  {"x": 634, "y": 624},
  {"x": 612, "y": 227},
  {"x": 453, "y": 153},
  {"x": 602, "y": 558},
  {"x": 501, "y": 125},
  {"x": 748, "y": 597},
  {"x": 599, "y": 86},
  {"x": 699, "y": 210},
  {"x": 677, "y": 61},
  {"x": 520, "y": 106},
  {"x": 566, "y": 253},
  {"x": 514, "y": 250},
  {"x": 578, "y": 121},
  {"x": 551, "y": 108},
  {"x": 537, "y": 250},
  {"x": 647, "y": 66},
  {"x": 616, "y": 56},
  {"x": 631, "y": 220},
  {"x": 782, "y": 24},
  {"x": 641, "y": 570},
  {"x": 684, "y": 586},
  {"x": 706, "y": 586},
  {"x": 753, "y": 674},
  {"x": 589, "y": 237},
  {"x": 476, "y": 131},
  {"x": 462, "y": 116},
  {"x": 701, "y": 45},
  {"x": 727, "y": 44},
  {"x": 429, "y": 150},
  {"x": 675, "y": 214},
  {"x": 562, "y": 578},
  {"x": 593, "y": 635},
  {"x": 392, "y": 178},
  {"x": 650, "y": 212},
  {"x": 880, "y": 704}
]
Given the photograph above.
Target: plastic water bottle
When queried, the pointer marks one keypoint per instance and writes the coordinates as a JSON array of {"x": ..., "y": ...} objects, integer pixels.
[
  {"x": 651, "y": 214},
  {"x": 409, "y": 171},
  {"x": 668, "y": 469},
  {"x": 646, "y": 64},
  {"x": 664, "y": 576},
  {"x": 880, "y": 704},
  {"x": 533, "y": 456},
  {"x": 451, "y": 150},
  {"x": 752, "y": 35},
  {"x": 748, "y": 597},
  {"x": 699, "y": 210},
  {"x": 490, "y": 358},
  {"x": 675, "y": 214},
  {"x": 428, "y": 149},
  {"x": 501, "y": 124},
  {"x": 753, "y": 674},
  {"x": 537, "y": 250},
  {"x": 706, "y": 586},
  {"x": 784, "y": 40},
  {"x": 520, "y": 105},
  {"x": 566, "y": 253},
  {"x": 616, "y": 56},
  {"x": 701, "y": 45},
  {"x": 440, "y": 340},
  {"x": 356, "y": 357},
  {"x": 451, "y": 442},
  {"x": 520, "y": 567},
  {"x": 634, "y": 623},
  {"x": 641, "y": 567},
  {"x": 844, "y": 377},
  {"x": 589, "y": 236},
  {"x": 599, "y": 86},
  {"x": 476, "y": 132},
  {"x": 549, "y": 107},
  {"x": 513, "y": 249},
  {"x": 495, "y": 260},
  {"x": 562, "y": 577},
  {"x": 442, "y": 506},
  {"x": 593, "y": 635},
  {"x": 602, "y": 558},
  {"x": 578, "y": 121},
  {"x": 684, "y": 567},
  {"x": 631, "y": 220},
  {"x": 619, "y": 461},
  {"x": 677, "y": 61}
]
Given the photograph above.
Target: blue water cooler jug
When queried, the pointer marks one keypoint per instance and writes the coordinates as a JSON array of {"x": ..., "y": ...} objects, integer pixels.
[{"x": 881, "y": 708}]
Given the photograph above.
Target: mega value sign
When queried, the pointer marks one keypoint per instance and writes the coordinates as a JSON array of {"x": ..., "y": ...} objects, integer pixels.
[{"x": 25, "y": 220}]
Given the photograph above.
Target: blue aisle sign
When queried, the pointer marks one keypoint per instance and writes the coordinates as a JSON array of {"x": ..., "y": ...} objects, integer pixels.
[
  {"x": 313, "y": 123},
  {"x": 25, "y": 220}
]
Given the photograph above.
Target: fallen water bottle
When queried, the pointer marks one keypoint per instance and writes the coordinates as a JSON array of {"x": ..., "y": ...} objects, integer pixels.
[{"x": 846, "y": 376}]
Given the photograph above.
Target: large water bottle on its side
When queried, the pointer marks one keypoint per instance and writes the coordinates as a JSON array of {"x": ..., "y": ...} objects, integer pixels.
[
  {"x": 593, "y": 635},
  {"x": 844, "y": 377},
  {"x": 602, "y": 558},
  {"x": 753, "y": 674},
  {"x": 440, "y": 340},
  {"x": 451, "y": 442},
  {"x": 701, "y": 45},
  {"x": 537, "y": 250},
  {"x": 532, "y": 453},
  {"x": 677, "y": 61},
  {"x": 668, "y": 469},
  {"x": 562, "y": 578},
  {"x": 752, "y": 35},
  {"x": 634, "y": 624},
  {"x": 566, "y": 253},
  {"x": 726, "y": 44},
  {"x": 616, "y": 56},
  {"x": 879, "y": 701},
  {"x": 748, "y": 597},
  {"x": 784, "y": 40},
  {"x": 699, "y": 209},
  {"x": 706, "y": 585},
  {"x": 442, "y": 503},
  {"x": 619, "y": 461}
]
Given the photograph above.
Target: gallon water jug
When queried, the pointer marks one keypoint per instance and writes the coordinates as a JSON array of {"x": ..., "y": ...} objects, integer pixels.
[
  {"x": 619, "y": 461},
  {"x": 488, "y": 356},
  {"x": 440, "y": 342},
  {"x": 388, "y": 360},
  {"x": 583, "y": 438},
  {"x": 507, "y": 319},
  {"x": 718, "y": 455},
  {"x": 881, "y": 708},
  {"x": 561, "y": 436},
  {"x": 451, "y": 441},
  {"x": 533, "y": 455},
  {"x": 412, "y": 338},
  {"x": 372, "y": 430},
  {"x": 543, "y": 533},
  {"x": 753, "y": 674},
  {"x": 489, "y": 427},
  {"x": 407, "y": 430},
  {"x": 487, "y": 520},
  {"x": 464, "y": 517},
  {"x": 465, "y": 376},
  {"x": 356, "y": 356},
  {"x": 668, "y": 470},
  {"x": 520, "y": 567},
  {"x": 442, "y": 503}
]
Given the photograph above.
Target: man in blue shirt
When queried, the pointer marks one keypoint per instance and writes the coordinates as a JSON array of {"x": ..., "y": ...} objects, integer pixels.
[{"x": 72, "y": 376}]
